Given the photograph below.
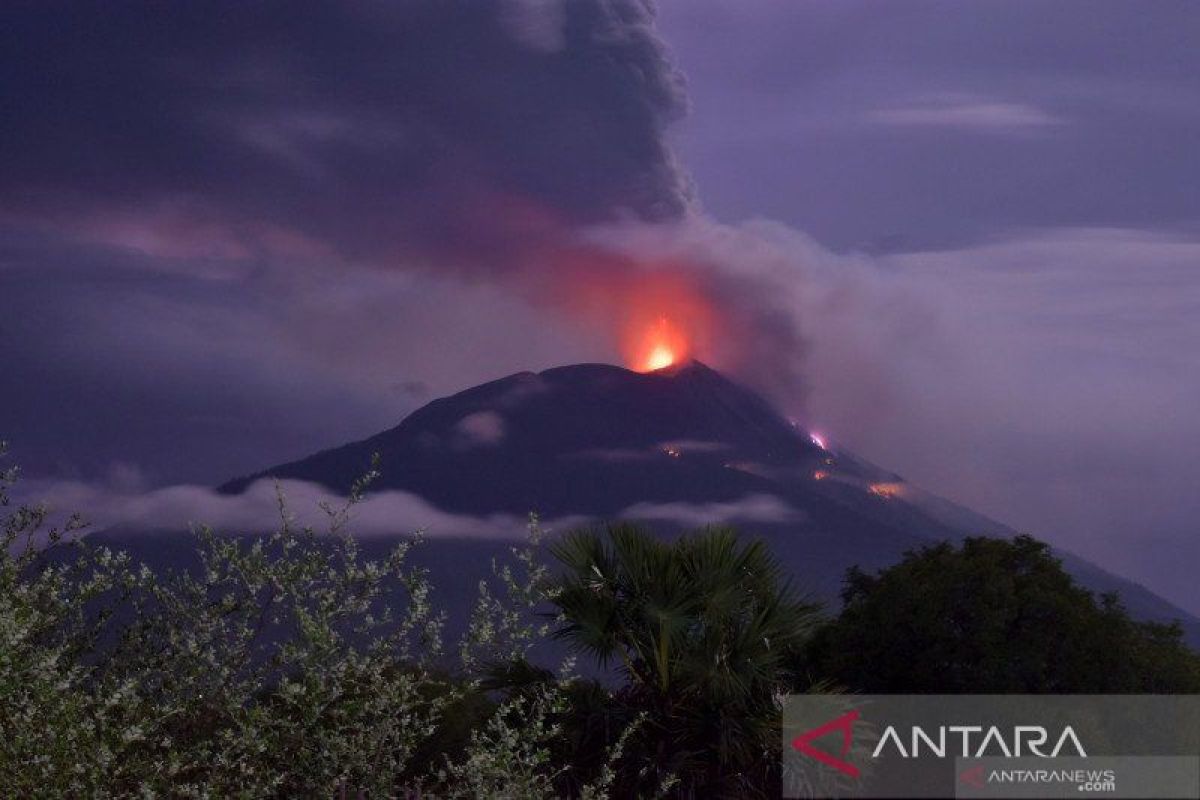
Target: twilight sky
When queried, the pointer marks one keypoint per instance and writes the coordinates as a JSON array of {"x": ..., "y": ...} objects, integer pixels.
[{"x": 960, "y": 239}]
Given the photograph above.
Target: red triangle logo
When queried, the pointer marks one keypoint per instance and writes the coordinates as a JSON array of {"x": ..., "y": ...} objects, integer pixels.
[{"x": 845, "y": 724}]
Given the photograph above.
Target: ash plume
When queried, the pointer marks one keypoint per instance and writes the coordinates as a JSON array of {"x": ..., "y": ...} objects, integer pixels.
[
  {"x": 377, "y": 131},
  {"x": 469, "y": 140}
]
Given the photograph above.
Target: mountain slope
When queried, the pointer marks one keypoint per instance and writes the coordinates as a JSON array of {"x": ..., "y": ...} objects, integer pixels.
[{"x": 671, "y": 447}]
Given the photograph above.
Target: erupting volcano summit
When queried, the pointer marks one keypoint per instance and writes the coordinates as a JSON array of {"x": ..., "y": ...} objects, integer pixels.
[
  {"x": 662, "y": 345},
  {"x": 677, "y": 446}
]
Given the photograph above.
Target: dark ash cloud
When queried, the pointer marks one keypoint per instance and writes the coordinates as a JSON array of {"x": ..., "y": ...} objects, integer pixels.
[
  {"x": 261, "y": 164},
  {"x": 373, "y": 130},
  {"x": 217, "y": 219}
]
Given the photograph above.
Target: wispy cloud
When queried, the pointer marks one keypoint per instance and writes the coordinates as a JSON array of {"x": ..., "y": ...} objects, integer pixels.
[
  {"x": 384, "y": 513},
  {"x": 175, "y": 508},
  {"x": 969, "y": 113},
  {"x": 752, "y": 508}
]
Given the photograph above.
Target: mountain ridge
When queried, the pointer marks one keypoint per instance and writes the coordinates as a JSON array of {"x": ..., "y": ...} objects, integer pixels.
[{"x": 601, "y": 441}]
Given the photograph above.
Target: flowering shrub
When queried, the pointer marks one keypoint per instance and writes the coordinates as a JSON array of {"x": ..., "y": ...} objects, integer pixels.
[{"x": 285, "y": 665}]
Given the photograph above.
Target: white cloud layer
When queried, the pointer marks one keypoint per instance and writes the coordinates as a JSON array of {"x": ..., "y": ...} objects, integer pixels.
[
  {"x": 383, "y": 513},
  {"x": 983, "y": 115},
  {"x": 753, "y": 508}
]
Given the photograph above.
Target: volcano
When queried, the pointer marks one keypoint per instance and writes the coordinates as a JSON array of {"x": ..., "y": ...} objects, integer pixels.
[{"x": 677, "y": 447}]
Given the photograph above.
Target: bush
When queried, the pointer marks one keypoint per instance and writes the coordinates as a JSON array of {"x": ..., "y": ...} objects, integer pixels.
[
  {"x": 994, "y": 615},
  {"x": 286, "y": 665}
]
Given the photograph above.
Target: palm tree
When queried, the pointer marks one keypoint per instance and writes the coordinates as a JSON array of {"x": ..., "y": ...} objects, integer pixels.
[{"x": 703, "y": 630}]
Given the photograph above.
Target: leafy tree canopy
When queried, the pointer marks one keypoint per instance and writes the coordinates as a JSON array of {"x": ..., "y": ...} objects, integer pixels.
[
  {"x": 704, "y": 629},
  {"x": 994, "y": 615}
]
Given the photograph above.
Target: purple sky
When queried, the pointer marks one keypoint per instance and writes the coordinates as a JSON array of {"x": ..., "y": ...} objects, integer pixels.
[
  {"x": 1028, "y": 174},
  {"x": 960, "y": 239}
]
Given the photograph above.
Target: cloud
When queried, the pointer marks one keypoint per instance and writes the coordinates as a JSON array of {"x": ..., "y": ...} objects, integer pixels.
[
  {"x": 375, "y": 131},
  {"x": 1044, "y": 377},
  {"x": 236, "y": 194},
  {"x": 1048, "y": 380},
  {"x": 481, "y": 429},
  {"x": 968, "y": 114},
  {"x": 239, "y": 196},
  {"x": 783, "y": 93},
  {"x": 540, "y": 24},
  {"x": 753, "y": 508},
  {"x": 388, "y": 513},
  {"x": 380, "y": 514}
]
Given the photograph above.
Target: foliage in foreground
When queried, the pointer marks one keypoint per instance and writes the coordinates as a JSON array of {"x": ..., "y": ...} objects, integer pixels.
[
  {"x": 995, "y": 616},
  {"x": 289, "y": 665},
  {"x": 286, "y": 665},
  {"x": 704, "y": 631}
]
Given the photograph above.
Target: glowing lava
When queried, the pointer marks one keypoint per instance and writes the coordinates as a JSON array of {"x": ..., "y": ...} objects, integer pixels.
[
  {"x": 659, "y": 346},
  {"x": 660, "y": 357}
]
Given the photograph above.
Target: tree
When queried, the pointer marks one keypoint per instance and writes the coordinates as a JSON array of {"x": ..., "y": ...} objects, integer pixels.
[
  {"x": 994, "y": 615},
  {"x": 281, "y": 665},
  {"x": 703, "y": 630}
]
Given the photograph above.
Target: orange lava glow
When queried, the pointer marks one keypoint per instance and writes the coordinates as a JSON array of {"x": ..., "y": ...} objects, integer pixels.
[
  {"x": 657, "y": 313},
  {"x": 662, "y": 344},
  {"x": 887, "y": 490},
  {"x": 660, "y": 357},
  {"x": 662, "y": 319}
]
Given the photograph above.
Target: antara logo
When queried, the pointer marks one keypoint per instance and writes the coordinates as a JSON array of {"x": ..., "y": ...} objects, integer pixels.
[
  {"x": 844, "y": 724},
  {"x": 1025, "y": 739},
  {"x": 972, "y": 741}
]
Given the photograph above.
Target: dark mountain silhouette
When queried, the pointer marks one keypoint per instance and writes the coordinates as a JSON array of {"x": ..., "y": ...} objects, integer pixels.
[
  {"x": 602, "y": 441},
  {"x": 588, "y": 439}
]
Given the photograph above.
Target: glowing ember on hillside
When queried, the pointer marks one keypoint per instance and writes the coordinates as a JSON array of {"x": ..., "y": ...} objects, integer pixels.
[{"x": 887, "y": 490}]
